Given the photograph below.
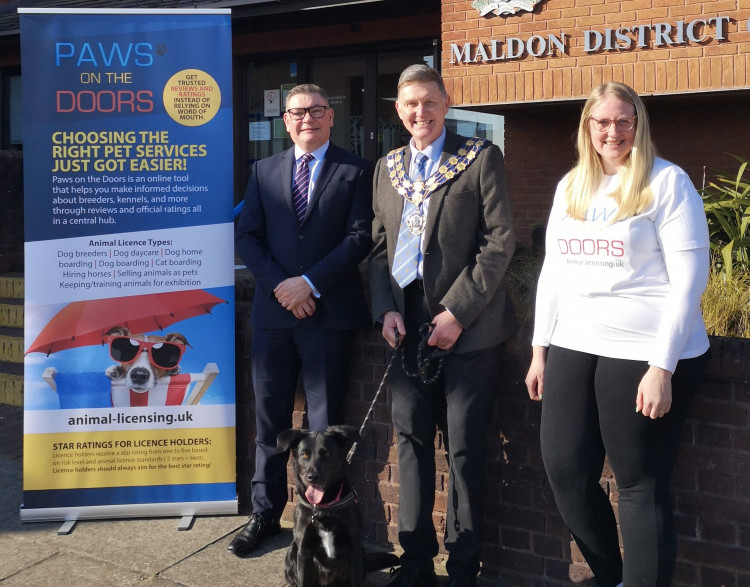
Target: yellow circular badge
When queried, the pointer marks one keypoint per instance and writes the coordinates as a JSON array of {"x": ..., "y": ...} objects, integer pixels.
[{"x": 192, "y": 97}]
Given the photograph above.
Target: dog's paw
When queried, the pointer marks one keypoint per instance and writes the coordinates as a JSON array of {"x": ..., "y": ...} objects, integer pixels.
[
  {"x": 174, "y": 371},
  {"x": 115, "y": 372}
]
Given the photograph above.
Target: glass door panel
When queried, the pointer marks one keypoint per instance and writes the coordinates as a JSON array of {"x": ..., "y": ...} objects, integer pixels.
[
  {"x": 343, "y": 79},
  {"x": 391, "y": 133},
  {"x": 266, "y": 83}
]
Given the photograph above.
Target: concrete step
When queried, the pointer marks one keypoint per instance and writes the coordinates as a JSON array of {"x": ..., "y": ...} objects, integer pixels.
[
  {"x": 11, "y": 313},
  {"x": 11, "y": 340},
  {"x": 11, "y": 383},
  {"x": 11, "y": 287},
  {"x": 11, "y": 345}
]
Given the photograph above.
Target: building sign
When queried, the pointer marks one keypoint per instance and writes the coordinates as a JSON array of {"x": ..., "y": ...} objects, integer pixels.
[
  {"x": 700, "y": 31},
  {"x": 503, "y": 6}
]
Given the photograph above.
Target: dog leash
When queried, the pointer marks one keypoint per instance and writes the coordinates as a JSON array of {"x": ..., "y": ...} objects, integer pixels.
[
  {"x": 425, "y": 361},
  {"x": 424, "y": 364}
]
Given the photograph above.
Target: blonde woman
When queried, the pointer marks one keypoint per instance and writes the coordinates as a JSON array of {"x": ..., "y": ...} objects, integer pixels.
[{"x": 619, "y": 344}]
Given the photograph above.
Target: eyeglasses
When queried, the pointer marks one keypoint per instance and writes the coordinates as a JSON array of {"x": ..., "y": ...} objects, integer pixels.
[
  {"x": 315, "y": 112},
  {"x": 165, "y": 355},
  {"x": 603, "y": 124}
]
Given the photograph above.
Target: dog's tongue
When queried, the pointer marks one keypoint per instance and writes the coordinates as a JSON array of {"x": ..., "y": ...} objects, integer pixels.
[{"x": 314, "y": 494}]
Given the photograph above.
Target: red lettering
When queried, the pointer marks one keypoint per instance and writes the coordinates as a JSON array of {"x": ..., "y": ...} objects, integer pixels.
[
  {"x": 68, "y": 97},
  {"x": 590, "y": 247},
  {"x": 89, "y": 98},
  {"x": 104, "y": 101},
  {"x": 103, "y": 97},
  {"x": 145, "y": 104}
]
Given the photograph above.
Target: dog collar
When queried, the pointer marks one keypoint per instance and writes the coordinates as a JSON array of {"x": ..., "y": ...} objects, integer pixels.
[{"x": 337, "y": 504}]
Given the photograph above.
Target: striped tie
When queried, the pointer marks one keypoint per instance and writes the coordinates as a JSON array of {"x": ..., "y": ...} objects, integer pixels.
[
  {"x": 406, "y": 259},
  {"x": 300, "y": 185}
]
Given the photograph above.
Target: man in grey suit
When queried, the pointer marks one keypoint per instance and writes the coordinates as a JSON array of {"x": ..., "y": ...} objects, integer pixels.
[{"x": 442, "y": 240}]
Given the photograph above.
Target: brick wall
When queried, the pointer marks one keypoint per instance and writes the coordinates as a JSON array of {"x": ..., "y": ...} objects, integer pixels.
[
  {"x": 525, "y": 541},
  {"x": 659, "y": 67},
  {"x": 693, "y": 132},
  {"x": 541, "y": 97}
]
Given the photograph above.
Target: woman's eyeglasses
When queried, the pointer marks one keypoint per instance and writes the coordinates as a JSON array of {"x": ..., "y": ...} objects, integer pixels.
[
  {"x": 165, "y": 355},
  {"x": 315, "y": 112},
  {"x": 603, "y": 124}
]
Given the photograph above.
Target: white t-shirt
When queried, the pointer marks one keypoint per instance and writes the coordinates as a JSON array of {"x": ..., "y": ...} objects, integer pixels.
[{"x": 629, "y": 289}]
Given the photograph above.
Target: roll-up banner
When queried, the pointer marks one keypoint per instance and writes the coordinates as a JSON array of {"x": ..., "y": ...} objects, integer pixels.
[{"x": 129, "y": 271}]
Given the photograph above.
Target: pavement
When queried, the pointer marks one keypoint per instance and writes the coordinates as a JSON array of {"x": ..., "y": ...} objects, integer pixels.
[{"x": 148, "y": 552}]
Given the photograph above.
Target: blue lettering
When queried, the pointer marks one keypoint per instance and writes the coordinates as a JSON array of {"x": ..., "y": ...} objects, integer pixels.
[
  {"x": 115, "y": 49},
  {"x": 144, "y": 50},
  {"x": 87, "y": 55},
  {"x": 139, "y": 53},
  {"x": 63, "y": 50},
  {"x": 601, "y": 214}
]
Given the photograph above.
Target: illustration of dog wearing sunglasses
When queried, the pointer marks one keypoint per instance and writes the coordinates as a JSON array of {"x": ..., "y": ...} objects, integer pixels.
[{"x": 142, "y": 360}]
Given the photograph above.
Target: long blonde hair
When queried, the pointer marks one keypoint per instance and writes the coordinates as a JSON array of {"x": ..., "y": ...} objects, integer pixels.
[{"x": 634, "y": 192}]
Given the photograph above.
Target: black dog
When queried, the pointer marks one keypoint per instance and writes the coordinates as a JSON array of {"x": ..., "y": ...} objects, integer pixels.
[{"x": 327, "y": 548}]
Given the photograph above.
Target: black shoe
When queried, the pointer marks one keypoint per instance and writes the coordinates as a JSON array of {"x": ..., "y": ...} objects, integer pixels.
[
  {"x": 462, "y": 581},
  {"x": 411, "y": 576},
  {"x": 252, "y": 535}
]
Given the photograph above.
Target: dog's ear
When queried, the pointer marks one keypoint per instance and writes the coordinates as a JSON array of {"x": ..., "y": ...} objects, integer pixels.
[
  {"x": 176, "y": 336},
  {"x": 349, "y": 434},
  {"x": 289, "y": 439},
  {"x": 118, "y": 331}
]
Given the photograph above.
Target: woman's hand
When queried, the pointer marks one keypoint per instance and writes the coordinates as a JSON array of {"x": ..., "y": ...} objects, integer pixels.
[
  {"x": 535, "y": 376},
  {"x": 654, "y": 399}
]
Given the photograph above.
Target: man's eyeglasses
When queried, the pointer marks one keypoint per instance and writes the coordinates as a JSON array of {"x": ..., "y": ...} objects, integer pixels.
[
  {"x": 165, "y": 355},
  {"x": 603, "y": 124},
  {"x": 315, "y": 112}
]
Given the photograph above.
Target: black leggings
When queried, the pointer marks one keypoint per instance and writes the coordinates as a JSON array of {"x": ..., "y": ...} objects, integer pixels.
[{"x": 589, "y": 411}]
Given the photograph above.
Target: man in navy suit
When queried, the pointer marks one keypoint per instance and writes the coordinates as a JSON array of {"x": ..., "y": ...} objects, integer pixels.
[{"x": 304, "y": 229}]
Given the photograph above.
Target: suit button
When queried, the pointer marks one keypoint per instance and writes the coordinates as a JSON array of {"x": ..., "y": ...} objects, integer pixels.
[{"x": 300, "y": 236}]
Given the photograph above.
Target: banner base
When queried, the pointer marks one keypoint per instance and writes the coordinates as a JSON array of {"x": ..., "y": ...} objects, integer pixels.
[{"x": 150, "y": 510}]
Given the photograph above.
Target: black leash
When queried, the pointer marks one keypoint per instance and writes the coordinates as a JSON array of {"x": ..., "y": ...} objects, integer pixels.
[{"x": 429, "y": 358}]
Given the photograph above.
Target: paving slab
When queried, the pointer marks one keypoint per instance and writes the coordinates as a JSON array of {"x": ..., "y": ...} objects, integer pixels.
[{"x": 148, "y": 552}]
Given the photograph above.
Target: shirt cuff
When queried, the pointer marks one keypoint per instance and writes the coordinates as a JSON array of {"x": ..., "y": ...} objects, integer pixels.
[{"x": 316, "y": 293}]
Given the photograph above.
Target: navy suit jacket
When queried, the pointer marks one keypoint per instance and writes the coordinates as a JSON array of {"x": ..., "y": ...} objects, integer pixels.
[{"x": 329, "y": 245}]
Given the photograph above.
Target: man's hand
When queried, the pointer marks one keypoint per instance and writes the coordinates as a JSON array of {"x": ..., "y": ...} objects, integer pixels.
[
  {"x": 445, "y": 330},
  {"x": 393, "y": 322},
  {"x": 294, "y": 294},
  {"x": 305, "y": 309}
]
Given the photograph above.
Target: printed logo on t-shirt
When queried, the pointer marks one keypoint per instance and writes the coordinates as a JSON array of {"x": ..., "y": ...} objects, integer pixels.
[
  {"x": 584, "y": 244},
  {"x": 590, "y": 246}
]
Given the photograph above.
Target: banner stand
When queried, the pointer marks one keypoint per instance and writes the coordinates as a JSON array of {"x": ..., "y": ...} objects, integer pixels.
[{"x": 129, "y": 384}]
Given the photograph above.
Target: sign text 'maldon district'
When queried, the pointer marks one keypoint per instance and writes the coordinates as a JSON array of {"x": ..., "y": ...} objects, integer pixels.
[{"x": 622, "y": 38}]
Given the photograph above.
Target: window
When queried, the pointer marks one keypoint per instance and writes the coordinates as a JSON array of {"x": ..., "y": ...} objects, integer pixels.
[
  {"x": 469, "y": 123},
  {"x": 11, "y": 111}
]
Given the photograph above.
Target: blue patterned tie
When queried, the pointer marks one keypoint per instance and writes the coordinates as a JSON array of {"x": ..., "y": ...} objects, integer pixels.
[
  {"x": 406, "y": 259},
  {"x": 300, "y": 186}
]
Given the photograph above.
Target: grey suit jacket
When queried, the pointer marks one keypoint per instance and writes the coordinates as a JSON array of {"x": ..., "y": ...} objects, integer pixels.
[{"x": 468, "y": 244}]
